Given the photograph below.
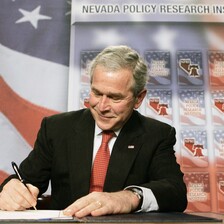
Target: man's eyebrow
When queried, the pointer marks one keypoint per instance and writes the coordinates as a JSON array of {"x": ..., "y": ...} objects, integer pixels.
[
  {"x": 109, "y": 94},
  {"x": 94, "y": 89},
  {"x": 115, "y": 95}
]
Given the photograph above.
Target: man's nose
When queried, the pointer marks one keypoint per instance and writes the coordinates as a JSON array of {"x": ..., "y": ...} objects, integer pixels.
[{"x": 104, "y": 103}]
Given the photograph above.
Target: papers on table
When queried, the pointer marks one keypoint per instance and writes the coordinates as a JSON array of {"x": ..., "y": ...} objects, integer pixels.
[{"x": 34, "y": 214}]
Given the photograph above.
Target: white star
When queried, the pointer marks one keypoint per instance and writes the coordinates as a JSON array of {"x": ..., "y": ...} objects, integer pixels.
[
  {"x": 33, "y": 17},
  {"x": 164, "y": 38}
]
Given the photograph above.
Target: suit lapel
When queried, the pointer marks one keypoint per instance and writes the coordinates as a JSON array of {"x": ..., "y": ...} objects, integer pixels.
[
  {"x": 80, "y": 152},
  {"x": 123, "y": 155}
]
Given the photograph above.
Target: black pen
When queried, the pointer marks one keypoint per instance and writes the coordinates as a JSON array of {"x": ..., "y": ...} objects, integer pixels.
[{"x": 16, "y": 169}]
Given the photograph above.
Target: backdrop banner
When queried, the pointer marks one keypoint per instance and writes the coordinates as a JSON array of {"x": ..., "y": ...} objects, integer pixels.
[{"x": 183, "y": 45}]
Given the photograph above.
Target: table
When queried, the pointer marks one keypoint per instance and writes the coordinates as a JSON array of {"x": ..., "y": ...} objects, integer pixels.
[{"x": 147, "y": 218}]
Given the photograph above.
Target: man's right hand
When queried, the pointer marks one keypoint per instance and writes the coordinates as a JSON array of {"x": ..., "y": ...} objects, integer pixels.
[{"x": 16, "y": 196}]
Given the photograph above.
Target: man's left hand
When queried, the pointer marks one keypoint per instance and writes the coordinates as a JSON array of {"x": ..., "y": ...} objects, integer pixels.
[{"x": 103, "y": 203}]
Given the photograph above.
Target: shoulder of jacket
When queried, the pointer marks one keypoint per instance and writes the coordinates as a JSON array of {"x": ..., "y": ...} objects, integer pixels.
[{"x": 154, "y": 124}]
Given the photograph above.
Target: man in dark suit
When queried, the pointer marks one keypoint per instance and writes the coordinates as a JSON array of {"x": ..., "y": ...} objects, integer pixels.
[{"x": 142, "y": 174}]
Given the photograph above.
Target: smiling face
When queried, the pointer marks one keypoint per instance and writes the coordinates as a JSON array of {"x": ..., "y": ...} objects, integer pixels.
[{"x": 111, "y": 97}]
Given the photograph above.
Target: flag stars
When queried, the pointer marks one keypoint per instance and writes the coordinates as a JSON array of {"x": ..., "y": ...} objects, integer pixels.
[
  {"x": 33, "y": 17},
  {"x": 105, "y": 37},
  {"x": 167, "y": 42},
  {"x": 69, "y": 12}
]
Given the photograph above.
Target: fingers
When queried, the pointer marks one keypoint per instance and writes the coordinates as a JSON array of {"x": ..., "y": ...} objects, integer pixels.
[
  {"x": 101, "y": 209},
  {"x": 87, "y": 205},
  {"x": 16, "y": 196},
  {"x": 101, "y": 203},
  {"x": 33, "y": 190}
]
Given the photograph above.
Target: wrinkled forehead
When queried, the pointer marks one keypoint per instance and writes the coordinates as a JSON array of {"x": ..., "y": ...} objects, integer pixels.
[{"x": 119, "y": 77}]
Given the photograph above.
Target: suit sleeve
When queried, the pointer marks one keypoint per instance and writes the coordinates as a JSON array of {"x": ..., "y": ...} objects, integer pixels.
[
  {"x": 166, "y": 180},
  {"x": 35, "y": 169}
]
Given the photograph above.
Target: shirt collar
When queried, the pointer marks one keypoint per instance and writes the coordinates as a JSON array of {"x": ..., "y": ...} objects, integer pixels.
[{"x": 98, "y": 131}]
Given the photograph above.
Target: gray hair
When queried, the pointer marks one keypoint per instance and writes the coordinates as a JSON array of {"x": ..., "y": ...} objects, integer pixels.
[{"x": 114, "y": 58}]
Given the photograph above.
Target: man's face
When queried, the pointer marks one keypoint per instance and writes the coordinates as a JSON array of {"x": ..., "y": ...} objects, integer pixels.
[{"x": 111, "y": 99}]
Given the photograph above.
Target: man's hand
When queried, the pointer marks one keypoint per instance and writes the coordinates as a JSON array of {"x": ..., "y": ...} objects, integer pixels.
[
  {"x": 16, "y": 196},
  {"x": 102, "y": 203}
]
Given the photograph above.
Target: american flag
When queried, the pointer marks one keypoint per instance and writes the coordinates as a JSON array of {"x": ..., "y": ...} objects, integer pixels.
[{"x": 34, "y": 60}]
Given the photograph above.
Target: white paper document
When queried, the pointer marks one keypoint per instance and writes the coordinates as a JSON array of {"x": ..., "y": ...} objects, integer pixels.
[{"x": 34, "y": 214}]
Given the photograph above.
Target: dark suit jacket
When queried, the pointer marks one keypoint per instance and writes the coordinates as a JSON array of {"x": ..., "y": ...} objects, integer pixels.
[{"x": 63, "y": 154}]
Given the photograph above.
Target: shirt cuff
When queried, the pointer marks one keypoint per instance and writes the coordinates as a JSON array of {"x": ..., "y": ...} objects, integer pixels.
[{"x": 149, "y": 201}]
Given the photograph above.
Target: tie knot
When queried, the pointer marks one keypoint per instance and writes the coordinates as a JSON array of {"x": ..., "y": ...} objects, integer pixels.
[{"x": 107, "y": 136}]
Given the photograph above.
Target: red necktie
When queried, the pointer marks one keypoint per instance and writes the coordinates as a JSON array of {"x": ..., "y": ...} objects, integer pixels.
[{"x": 101, "y": 162}]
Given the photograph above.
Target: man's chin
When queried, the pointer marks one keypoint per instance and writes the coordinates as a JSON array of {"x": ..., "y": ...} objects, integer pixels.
[{"x": 104, "y": 125}]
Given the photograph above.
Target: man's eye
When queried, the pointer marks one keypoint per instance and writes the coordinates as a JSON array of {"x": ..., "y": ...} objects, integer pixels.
[
  {"x": 116, "y": 99},
  {"x": 97, "y": 94}
]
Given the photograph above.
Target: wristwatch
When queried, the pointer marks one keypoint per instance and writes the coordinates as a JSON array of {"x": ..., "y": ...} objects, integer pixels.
[{"x": 138, "y": 192}]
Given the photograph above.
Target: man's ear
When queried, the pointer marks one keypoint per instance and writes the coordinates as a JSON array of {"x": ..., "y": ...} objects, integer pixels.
[{"x": 139, "y": 98}]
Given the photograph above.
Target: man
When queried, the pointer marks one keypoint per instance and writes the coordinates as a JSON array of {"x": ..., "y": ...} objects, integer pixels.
[{"x": 142, "y": 174}]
